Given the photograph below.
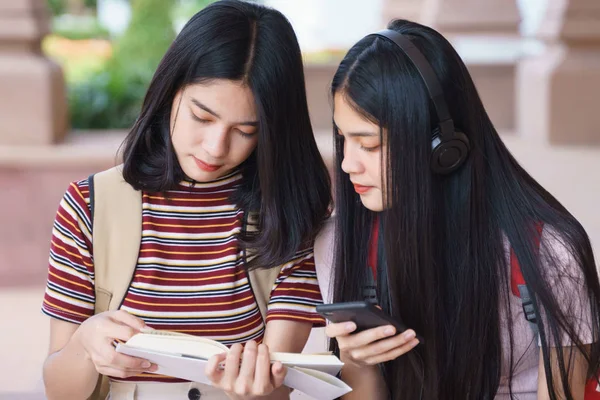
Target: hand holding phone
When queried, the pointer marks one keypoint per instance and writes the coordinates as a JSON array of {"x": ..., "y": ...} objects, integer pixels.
[
  {"x": 365, "y": 315},
  {"x": 365, "y": 334}
]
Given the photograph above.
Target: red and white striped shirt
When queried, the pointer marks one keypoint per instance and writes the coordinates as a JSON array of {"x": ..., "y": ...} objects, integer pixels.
[{"x": 190, "y": 274}]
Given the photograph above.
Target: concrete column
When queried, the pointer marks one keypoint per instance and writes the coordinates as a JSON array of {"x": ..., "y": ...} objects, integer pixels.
[
  {"x": 472, "y": 16},
  {"x": 486, "y": 35},
  {"x": 33, "y": 108},
  {"x": 559, "y": 88},
  {"x": 411, "y": 10}
]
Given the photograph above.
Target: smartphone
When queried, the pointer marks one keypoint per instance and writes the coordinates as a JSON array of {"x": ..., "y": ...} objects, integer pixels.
[{"x": 364, "y": 314}]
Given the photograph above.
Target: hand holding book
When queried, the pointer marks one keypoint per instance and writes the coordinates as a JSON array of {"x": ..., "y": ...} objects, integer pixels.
[
  {"x": 254, "y": 376},
  {"x": 187, "y": 357},
  {"x": 96, "y": 335}
]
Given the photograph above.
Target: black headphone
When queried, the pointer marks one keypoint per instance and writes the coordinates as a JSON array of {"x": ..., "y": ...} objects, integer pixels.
[{"x": 450, "y": 147}]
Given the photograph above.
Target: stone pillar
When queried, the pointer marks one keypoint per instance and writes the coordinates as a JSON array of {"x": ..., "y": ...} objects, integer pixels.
[
  {"x": 33, "y": 109},
  {"x": 559, "y": 89},
  {"x": 402, "y": 9},
  {"x": 472, "y": 16},
  {"x": 486, "y": 35}
]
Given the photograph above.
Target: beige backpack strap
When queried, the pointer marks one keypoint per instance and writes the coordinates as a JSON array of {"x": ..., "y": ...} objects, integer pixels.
[
  {"x": 323, "y": 250},
  {"x": 116, "y": 236},
  {"x": 261, "y": 280}
]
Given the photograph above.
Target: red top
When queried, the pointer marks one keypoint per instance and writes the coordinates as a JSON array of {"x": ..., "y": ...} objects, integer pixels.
[{"x": 372, "y": 260}]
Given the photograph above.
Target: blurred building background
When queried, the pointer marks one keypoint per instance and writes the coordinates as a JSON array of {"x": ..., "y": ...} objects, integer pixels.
[{"x": 73, "y": 74}]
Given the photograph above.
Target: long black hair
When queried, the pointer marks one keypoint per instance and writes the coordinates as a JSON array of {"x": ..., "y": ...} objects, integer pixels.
[
  {"x": 446, "y": 236},
  {"x": 285, "y": 179}
]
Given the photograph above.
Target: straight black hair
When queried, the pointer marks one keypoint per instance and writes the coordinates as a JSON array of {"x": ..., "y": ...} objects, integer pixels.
[
  {"x": 285, "y": 179},
  {"x": 446, "y": 237}
]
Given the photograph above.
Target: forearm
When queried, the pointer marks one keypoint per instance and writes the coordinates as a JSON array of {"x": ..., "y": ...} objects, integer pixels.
[
  {"x": 285, "y": 336},
  {"x": 366, "y": 383},
  {"x": 69, "y": 373}
]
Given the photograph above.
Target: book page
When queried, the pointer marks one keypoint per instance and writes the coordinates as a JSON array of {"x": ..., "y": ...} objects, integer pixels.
[
  {"x": 159, "y": 341},
  {"x": 329, "y": 364},
  {"x": 317, "y": 384},
  {"x": 169, "y": 342}
]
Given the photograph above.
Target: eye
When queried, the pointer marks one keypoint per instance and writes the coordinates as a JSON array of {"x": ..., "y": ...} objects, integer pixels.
[
  {"x": 201, "y": 120},
  {"x": 245, "y": 134},
  {"x": 372, "y": 148}
]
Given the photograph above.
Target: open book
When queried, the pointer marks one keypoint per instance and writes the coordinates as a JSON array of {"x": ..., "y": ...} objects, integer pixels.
[{"x": 185, "y": 357}]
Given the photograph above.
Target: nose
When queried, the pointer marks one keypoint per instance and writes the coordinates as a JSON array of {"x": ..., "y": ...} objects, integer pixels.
[
  {"x": 351, "y": 163},
  {"x": 216, "y": 142}
]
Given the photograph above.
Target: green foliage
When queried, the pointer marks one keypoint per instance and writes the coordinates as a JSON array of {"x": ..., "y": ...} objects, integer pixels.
[
  {"x": 57, "y": 7},
  {"x": 112, "y": 98},
  {"x": 78, "y": 27},
  {"x": 148, "y": 36},
  {"x": 106, "y": 101}
]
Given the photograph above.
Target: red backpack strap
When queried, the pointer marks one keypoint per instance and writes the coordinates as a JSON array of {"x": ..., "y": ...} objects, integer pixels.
[
  {"x": 519, "y": 289},
  {"x": 518, "y": 284},
  {"x": 516, "y": 276}
]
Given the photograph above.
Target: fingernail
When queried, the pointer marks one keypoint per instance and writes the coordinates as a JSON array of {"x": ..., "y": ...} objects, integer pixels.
[
  {"x": 409, "y": 335},
  {"x": 146, "y": 364},
  {"x": 389, "y": 331},
  {"x": 350, "y": 326}
]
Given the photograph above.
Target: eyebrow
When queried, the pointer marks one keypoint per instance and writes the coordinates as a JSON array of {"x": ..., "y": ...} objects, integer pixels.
[
  {"x": 208, "y": 110},
  {"x": 356, "y": 134}
]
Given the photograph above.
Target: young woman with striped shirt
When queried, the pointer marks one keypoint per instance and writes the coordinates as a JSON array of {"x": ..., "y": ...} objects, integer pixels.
[{"x": 224, "y": 131}]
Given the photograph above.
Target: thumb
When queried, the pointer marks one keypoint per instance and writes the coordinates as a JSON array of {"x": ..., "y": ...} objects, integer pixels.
[
  {"x": 279, "y": 372},
  {"x": 213, "y": 370},
  {"x": 125, "y": 318}
]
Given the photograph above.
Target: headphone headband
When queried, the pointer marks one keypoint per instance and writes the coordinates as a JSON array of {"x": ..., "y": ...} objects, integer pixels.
[{"x": 436, "y": 94}]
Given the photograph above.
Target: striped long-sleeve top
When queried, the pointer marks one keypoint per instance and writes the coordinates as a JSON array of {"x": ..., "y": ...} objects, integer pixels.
[{"x": 190, "y": 274}]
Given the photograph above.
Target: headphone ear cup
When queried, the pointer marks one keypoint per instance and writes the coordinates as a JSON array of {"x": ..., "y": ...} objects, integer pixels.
[{"x": 448, "y": 155}]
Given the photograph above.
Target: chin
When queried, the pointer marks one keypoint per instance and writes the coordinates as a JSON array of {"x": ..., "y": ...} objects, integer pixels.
[
  {"x": 372, "y": 204},
  {"x": 377, "y": 208}
]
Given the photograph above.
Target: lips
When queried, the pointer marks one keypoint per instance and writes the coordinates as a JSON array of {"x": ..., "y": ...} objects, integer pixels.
[
  {"x": 206, "y": 166},
  {"x": 361, "y": 189}
]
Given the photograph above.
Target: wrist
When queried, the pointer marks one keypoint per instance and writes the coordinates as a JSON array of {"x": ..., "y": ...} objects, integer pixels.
[{"x": 366, "y": 369}]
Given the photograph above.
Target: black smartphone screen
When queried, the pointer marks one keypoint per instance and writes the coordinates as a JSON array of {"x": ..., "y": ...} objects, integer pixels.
[{"x": 365, "y": 315}]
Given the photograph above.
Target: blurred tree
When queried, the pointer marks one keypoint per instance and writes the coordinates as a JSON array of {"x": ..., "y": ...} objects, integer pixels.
[
  {"x": 149, "y": 34},
  {"x": 112, "y": 98},
  {"x": 75, "y": 7},
  {"x": 57, "y": 7},
  {"x": 92, "y": 4}
]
